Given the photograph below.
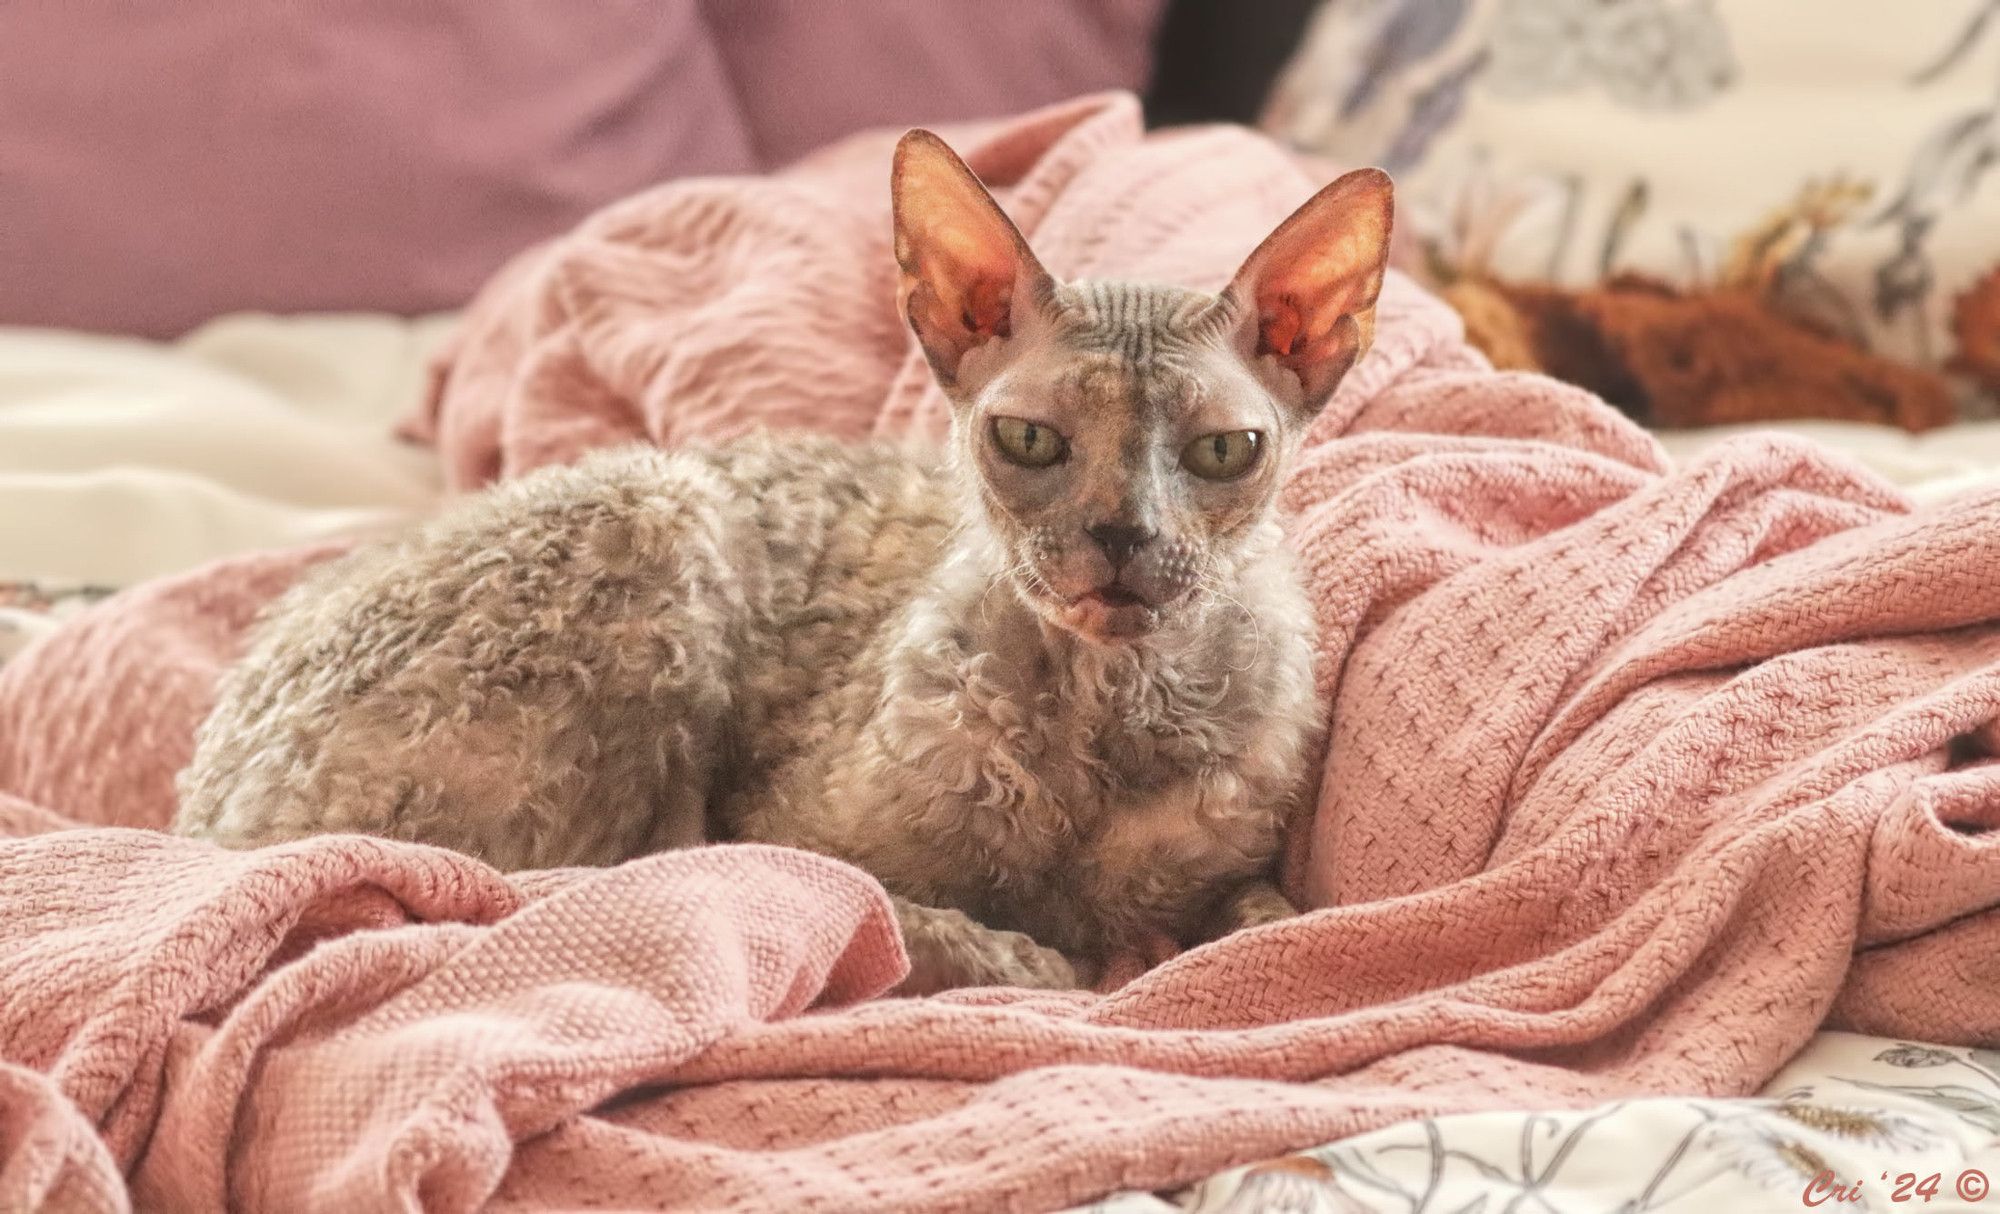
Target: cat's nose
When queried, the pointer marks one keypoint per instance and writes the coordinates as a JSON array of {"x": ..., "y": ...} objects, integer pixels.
[{"x": 1120, "y": 540}]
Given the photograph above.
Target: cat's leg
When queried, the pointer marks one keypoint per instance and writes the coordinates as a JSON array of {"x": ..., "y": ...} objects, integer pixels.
[
  {"x": 948, "y": 949},
  {"x": 1253, "y": 904}
]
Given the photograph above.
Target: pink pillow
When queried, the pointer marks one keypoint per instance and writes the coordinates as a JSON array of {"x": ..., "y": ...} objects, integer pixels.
[
  {"x": 167, "y": 162},
  {"x": 164, "y": 163},
  {"x": 807, "y": 73}
]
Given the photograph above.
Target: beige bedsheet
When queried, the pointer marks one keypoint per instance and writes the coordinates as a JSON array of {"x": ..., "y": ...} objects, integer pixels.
[{"x": 122, "y": 460}]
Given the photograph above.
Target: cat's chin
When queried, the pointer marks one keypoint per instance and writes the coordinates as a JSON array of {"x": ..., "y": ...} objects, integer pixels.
[{"x": 1108, "y": 619}]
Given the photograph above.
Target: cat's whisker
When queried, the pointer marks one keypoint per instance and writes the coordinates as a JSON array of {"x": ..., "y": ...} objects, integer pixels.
[
  {"x": 1005, "y": 580},
  {"x": 1206, "y": 584}
]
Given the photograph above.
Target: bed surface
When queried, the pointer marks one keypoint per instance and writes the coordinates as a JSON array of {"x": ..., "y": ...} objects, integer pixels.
[{"x": 123, "y": 460}]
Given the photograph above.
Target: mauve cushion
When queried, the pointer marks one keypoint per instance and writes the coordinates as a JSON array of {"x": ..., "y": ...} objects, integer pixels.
[
  {"x": 161, "y": 164},
  {"x": 807, "y": 73}
]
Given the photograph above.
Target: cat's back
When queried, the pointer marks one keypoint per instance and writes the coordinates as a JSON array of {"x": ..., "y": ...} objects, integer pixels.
[
  {"x": 559, "y": 639},
  {"x": 835, "y": 524}
]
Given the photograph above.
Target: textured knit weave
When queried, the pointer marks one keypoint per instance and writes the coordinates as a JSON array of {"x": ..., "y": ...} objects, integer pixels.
[{"x": 1637, "y": 775}]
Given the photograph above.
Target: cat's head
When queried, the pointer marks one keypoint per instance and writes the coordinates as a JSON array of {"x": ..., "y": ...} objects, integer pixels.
[{"x": 1127, "y": 441}]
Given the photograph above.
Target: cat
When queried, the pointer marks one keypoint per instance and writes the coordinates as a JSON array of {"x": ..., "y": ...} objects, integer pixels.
[{"x": 1051, "y": 684}]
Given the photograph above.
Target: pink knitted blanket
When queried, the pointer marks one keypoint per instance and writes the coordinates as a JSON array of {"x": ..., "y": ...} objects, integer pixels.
[{"x": 1637, "y": 776}]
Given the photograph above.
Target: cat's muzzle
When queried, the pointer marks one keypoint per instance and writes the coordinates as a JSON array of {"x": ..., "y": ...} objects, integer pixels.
[{"x": 1110, "y": 613}]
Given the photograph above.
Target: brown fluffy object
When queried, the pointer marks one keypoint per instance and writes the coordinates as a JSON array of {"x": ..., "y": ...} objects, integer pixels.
[{"x": 1677, "y": 359}]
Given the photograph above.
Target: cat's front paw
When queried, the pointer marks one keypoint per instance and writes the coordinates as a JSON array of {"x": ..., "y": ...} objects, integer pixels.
[
  {"x": 948, "y": 949},
  {"x": 1019, "y": 961},
  {"x": 1255, "y": 905}
]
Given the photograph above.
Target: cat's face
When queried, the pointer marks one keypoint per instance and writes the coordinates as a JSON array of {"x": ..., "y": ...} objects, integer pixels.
[
  {"x": 1127, "y": 441},
  {"x": 1123, "y": 486}
]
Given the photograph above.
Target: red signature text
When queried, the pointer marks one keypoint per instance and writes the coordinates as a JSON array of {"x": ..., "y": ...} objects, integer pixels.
[{"x": 1827, "y": 1187}]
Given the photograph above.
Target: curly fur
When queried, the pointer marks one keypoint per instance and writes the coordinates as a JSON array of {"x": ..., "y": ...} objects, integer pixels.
[{"x": 887, "y": 654}]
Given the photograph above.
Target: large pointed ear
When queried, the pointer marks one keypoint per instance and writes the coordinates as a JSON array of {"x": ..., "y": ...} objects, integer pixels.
[
  {"x": 967, "y": 276},
  {"x": 1306, "y": 296}
]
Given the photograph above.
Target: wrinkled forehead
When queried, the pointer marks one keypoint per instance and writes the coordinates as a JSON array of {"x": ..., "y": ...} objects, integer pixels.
[
  {"x": 1093, "y": 388},
  {"x": 1142, "y": 324}
]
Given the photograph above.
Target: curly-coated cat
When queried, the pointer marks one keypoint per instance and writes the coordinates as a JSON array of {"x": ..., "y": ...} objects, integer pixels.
[{"x": 1052, "y": 684}]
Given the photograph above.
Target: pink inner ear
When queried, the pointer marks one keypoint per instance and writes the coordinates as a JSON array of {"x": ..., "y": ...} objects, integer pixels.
[
  {"x": 1277, "y": 327},
  {"x": 1297, "y": 334},
  {"x": 957, "y": 299},
  {"x": 1321, "y": 267},
  {"x": 988, "y": 306},
  {"x": 962, "y": 260},
  {"x": 968, "y": 267},
  {"x": 1300, "y": 303}
]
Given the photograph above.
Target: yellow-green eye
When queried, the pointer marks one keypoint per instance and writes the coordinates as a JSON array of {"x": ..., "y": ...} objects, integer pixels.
[
  {"x": 1027, "y": 443},
  {"x": 1222, "y": 457}
]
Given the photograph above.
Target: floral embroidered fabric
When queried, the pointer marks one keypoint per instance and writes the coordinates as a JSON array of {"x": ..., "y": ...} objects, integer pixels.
[
  {"x": 1852, "y": 1123},
  {"x": 1837, "y": 168}
]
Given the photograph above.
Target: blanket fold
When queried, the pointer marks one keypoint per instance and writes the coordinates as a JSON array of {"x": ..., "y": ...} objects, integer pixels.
[{"x": 1636, "y": 776}]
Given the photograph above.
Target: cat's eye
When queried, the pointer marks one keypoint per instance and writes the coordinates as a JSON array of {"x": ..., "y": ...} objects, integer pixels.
[
  {"x": 1223, "y": 457},
  {"x": 1027, "y": 443}
]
